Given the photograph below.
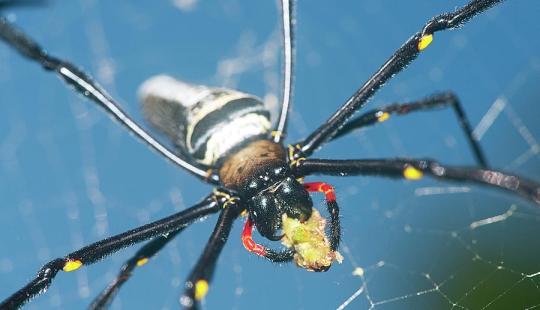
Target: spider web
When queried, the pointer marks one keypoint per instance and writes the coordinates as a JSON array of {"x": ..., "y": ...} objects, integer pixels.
[{"x": 69, "y": 176}]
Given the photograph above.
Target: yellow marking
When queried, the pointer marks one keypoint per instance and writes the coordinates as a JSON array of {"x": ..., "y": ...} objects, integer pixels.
[
  {"x": 201, "y": 288},
  {"x": 72, "y": 265},
  {"x": 276, "y": 133},
  {"x": 217, "y": 193},
  {"x": 296, "y": 161},
  {"x": 141, "y": 262},
  {"x": 425, "y": 41},
  {"x": 243, "y": 213},
  {"x": 208, "y": 174},
  {"x": 411, "y": 173},
  {"x": 230, "y": 200},
  {"x": 291, "y": 149},
  {"x": 383, "y": 117}
]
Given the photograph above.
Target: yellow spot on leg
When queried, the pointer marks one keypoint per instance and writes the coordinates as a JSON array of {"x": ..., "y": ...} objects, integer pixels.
[
  {"x": 72, "y": 265},
  {"x": 425, "y": 41},
  {"x": 411, "y": 173},
  {"x": 141, "y": 262},
  {"x": 276, "y": 133},
  {"x": 201, "y": 288},
  {"x": 383, "y": 117}
]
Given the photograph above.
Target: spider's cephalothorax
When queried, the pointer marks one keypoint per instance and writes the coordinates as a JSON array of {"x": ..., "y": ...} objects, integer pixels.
[
  {"x": 226, "y": 130},
  {"x": 260, "y": 173}
]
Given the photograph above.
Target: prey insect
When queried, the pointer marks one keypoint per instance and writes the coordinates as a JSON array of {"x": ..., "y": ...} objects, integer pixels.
[{"x": 255, "y": 173}]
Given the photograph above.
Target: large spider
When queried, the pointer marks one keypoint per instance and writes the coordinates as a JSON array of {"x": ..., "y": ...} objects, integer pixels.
[{"x": 236, "y": 206}]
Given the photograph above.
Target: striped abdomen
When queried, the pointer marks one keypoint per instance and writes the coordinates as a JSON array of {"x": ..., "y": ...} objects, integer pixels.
[{"x": 204, "y": 122}]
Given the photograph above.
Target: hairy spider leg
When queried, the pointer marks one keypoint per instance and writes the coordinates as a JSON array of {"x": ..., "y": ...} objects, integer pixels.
[
  {"x": 97, "y": 251},
  {"x": 83, "y": 83},
  {"x": 140, "y": 258},
  {"x": 197, "y": 285},
  {"x": 406, "y": 54},
  {"x": 414, "y": 169},
  {"x": 437, "y": 101},
  {"x": 286, "y": 7},
  {"x": 333, "y": 209}
]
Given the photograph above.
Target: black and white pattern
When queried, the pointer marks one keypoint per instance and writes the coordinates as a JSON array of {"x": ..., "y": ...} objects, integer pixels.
[{"x": 206, "y": 123}]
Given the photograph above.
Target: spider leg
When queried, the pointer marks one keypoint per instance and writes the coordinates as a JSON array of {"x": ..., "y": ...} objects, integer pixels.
[
  {"x": 437, "y": 101},
  {"x": 333, "y": 209},
  {"x": 197, "y": 284},
  {"x": 414, "y": 169},
  {"x": 266, "y": 252},
  {"x": 83, "y": 84},
  {"x": 288, "y": 61},
  {"x": 140, "y": 258},
  {"x": 96, "y": 252},
  {"x": 397, "y": 62}
]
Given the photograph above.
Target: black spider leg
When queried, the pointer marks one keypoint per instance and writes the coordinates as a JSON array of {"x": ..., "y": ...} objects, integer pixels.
[
  {"x": 83, "y": 84},
  {"x": 288, "y": 63},
  {"x": 20, "y": 3},
  {"x": 437, "y": 101},
  {"x": 397, "y": 62},
  {"x": 140, "y": 258},
  {"x": 414, "y": 169},
  {"x": 197, "y": 284},
  {"x": 97, "y": 251}
]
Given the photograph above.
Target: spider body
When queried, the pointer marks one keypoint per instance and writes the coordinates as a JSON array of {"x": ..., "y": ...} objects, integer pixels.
[
  {"x": 226, "y": 130},
  {"x": 261, "y": 175}
]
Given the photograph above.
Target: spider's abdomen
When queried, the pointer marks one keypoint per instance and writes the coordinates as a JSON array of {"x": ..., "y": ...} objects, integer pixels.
[{"x": 206, "y": 123}]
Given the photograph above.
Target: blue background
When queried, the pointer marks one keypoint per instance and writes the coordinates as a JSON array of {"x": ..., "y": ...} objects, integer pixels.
[{"x": 69, "y": 176}]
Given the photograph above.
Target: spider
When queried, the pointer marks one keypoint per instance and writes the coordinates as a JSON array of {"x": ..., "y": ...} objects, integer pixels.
[{"x": 234, "y": 203}]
